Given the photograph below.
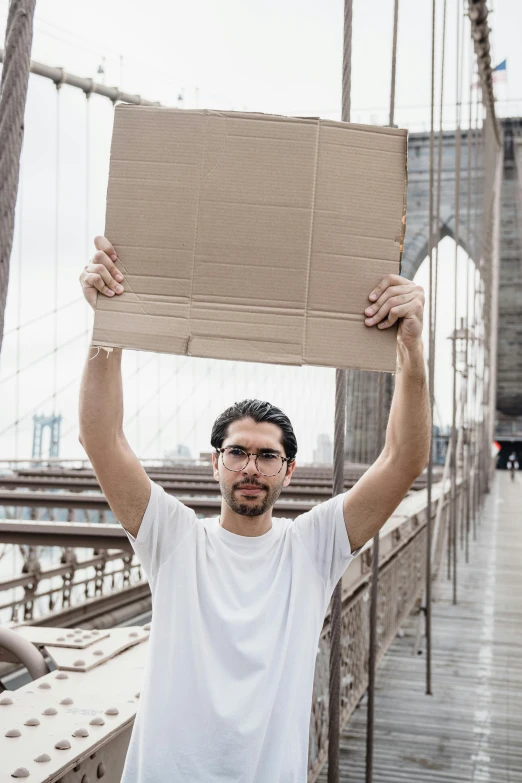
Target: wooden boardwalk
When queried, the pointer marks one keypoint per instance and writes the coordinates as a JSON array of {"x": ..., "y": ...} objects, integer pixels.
[{"x": 470, "y": 729}]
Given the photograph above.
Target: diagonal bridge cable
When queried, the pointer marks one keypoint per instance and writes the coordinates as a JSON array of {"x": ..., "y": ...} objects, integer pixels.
[{"x": 44, "y": 356}]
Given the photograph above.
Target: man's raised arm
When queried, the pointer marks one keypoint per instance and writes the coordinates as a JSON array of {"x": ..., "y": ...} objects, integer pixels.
[
  {"x": 119, "y": 472},
  {"x": 377, "y": 494}
]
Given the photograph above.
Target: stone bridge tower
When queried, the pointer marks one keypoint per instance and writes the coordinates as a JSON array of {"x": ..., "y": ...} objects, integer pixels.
[{"x": 362, "y": 418}]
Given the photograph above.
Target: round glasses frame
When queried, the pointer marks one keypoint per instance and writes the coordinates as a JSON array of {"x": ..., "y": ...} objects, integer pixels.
[{"x": 252, "y": 454}]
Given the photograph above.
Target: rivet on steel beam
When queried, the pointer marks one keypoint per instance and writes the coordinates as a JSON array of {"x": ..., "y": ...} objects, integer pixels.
[
  {"x": 95, "y": 632},
  {"x": 101, "y": 769},
  {"x": 81, "y": 732},
  {"x": 21, "y": 772},
  {"x": 67, "y": 700},
  {"x": 112, "y": 711},
  {"x": 60, "y": 638},
  {"x": 97, "y": 721},
  {"x": 69, "y": 635},
  {"x": 5, "y": 701},
  {"x": 79, "y": 662},
  {"x": 13, "y": 733},
  {"x": 86, "y": 635},
  {"x": 63, "y": 744},
  {"x": 134, "y": 633},
  {"x": 43, "y": 757},
  {"x": 78, "y": 630},
  {"x": 98, "y": 652},
  {"x": 62, "y": 676},
  {"x": 44, "y": 685},
  {"x": 50, "y": 711},
  {"x": 146, "y": 627},
  {"x": 137, "y": 695},
  {"x": 32, "y": 722}
]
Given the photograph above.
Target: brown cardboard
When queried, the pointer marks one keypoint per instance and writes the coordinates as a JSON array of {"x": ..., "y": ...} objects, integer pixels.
[{"x": 251, "y": 236}]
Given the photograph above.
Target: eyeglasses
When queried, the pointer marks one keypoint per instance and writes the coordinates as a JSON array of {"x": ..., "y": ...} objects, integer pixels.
[{"x": 236, "y": 459}]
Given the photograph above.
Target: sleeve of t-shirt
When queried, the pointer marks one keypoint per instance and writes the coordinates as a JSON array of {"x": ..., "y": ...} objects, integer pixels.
[
  {"x": 165, "y": 523},
  {"x": 322, "y": 531}
]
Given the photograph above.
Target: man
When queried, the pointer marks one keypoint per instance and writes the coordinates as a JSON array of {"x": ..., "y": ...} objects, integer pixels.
[
  {"x": 512, "y": 464},
  {"x": 239, "y": 601}
]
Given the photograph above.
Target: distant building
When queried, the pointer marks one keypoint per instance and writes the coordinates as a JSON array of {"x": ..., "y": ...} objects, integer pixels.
[
  {"x": 180, "y": 452},
  {"x": 323, "y": 454}
]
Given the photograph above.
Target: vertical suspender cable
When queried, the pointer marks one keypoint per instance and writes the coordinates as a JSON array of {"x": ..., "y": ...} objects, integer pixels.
[
  {"x": 467, "y": 421},
  {"x": 334, "y": 709},
  {"x": 454, "y": 341},
  {"x": 19, "y": 309},
  {"x": 54, "y": 446},
  {"x": 460, "y": 404},
  {"x": 87, "y": 194},
  {"x": 378, "y": 440},
  {"x": 476, "y": 352},
  {"x": 394, "y": 62},
  {"x": 13, "y": 92},
  {"x": 439, "y": 179},
  {"x": 430, "y": 359}
]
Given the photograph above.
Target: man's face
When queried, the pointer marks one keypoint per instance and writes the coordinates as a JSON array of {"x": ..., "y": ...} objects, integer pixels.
[{"x": 249, "y": 492}]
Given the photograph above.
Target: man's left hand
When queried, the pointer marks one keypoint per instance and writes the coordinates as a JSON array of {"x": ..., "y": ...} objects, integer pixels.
[{"x": 397, "y": 299}]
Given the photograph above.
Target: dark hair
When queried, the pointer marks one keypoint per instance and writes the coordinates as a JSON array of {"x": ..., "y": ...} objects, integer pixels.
[{"x": 258, "y": 411}]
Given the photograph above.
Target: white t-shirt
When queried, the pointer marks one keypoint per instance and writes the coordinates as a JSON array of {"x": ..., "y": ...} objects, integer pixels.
[{"x": 236, "y": 622}]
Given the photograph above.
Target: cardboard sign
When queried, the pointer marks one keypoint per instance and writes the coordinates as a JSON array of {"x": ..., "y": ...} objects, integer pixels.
[{"x": 252, "y": 237}]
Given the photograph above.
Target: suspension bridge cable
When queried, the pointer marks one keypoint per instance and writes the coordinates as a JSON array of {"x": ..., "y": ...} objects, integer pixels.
[
  {"x": 37, "y": 407},
  {"x": 378, "y": 444},
  {"x": 215, "y": 393},
  {"x": 334, "y": 699},
  {"x": 460, "y": 406},
  {"x": 475, "y": 321},
  {"x": 394, "y": 62},
  {"x": 13, "y": 91},
  {"x": 439, "y": 181},
  {"x": 59, "y": 75},
  {"x": 125, "y": 380},
  {"x": 430, "y": 356},
  {"x": 54, "y": 445},
  {"x": 18, "y": 328},
  {"x": 178, "y": 408},
  {"x": 467, "y": 482},
  {"x": 41, "y": 358},
  {"x": 454, "y": 340},
  {"x": 154, "y": 394},
  {"x": 19, "y": 303},
  {"x": 87, "y": 188}
]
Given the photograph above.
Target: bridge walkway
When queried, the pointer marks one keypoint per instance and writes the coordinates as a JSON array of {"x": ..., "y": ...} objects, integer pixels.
[{"x": 470, "y": 729}]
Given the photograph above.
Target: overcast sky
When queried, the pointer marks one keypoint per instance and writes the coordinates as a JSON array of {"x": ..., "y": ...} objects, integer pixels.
[{"x": 283, "y": 57}]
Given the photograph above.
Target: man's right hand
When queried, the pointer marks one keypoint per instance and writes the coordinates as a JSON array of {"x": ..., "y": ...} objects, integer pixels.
[{"x": 101, "y": 274}]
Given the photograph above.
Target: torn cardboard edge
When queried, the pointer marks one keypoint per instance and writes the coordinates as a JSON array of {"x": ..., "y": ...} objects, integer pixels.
[{"x": 284, "y": 203}]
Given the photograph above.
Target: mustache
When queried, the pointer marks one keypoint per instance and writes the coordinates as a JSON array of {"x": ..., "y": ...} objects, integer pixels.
[{"x": 249, "y": 484}]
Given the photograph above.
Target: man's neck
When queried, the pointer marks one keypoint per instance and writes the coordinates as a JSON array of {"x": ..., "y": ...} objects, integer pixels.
[{"x": 243, "y": 525}]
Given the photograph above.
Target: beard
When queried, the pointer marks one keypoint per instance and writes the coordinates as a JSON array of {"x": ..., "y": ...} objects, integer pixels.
[{"x": 251, "y": 509}]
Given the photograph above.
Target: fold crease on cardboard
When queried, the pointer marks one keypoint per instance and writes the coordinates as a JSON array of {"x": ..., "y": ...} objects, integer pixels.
[{"x": 252, "y": 237}]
